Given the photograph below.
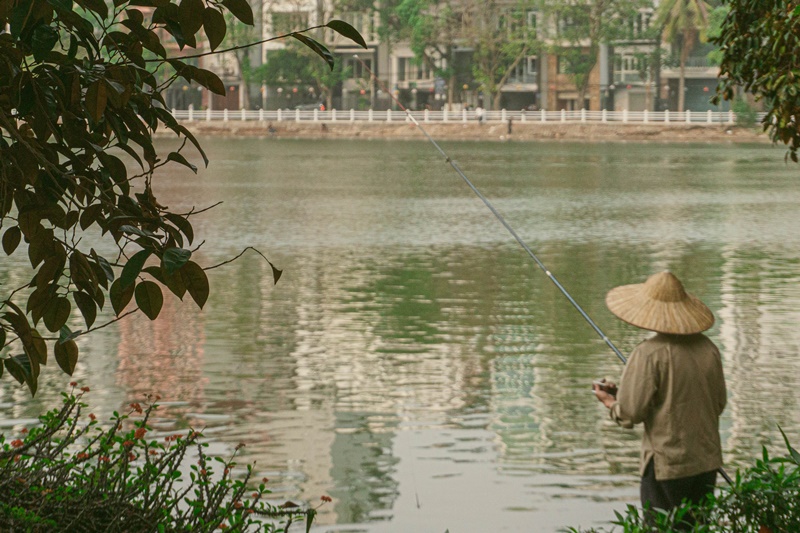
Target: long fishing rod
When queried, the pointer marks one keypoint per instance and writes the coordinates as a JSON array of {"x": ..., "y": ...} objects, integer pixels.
[
  {"x": 498, "y": 216},
  {"x": 508, "y": 227}
]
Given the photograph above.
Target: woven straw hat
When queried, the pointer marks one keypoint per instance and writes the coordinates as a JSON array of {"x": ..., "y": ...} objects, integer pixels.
[{"x": 660, "y": 304}]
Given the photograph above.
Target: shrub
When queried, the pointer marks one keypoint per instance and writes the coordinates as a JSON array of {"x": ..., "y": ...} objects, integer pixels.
[
  {"x": 70, "y": 474},
  {"x": 765, "y": 498}
]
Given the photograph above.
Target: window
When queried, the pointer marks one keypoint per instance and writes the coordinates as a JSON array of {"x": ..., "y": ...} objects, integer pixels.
[
  {"x": 358, "y": 70},
  {"x": 401, "y": 68}
]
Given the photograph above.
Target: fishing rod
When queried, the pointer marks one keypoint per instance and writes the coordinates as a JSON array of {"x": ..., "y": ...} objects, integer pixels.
[
  {"x": 497, "y": 215},
  {"x": 508, "y": 227}
]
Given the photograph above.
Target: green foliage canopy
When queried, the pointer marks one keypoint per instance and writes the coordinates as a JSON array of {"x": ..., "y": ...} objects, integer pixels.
[
  {"x": 760, "y": 40},
  {"x": 78, "y": 99}
]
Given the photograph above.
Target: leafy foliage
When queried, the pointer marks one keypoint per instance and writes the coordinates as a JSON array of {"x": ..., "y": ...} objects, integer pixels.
[
  {"x": 765, "y": 498},
  {"x": 79, "y": 104},
  {"x": 760, "y": 40},
  {"x": 72, "y": 474}
]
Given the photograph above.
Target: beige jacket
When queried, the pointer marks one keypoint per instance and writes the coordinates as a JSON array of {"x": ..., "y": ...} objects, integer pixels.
[{"x": 675, "y": 386}]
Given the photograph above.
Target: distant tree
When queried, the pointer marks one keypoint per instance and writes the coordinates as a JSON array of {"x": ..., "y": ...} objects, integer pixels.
[
  {"x": 433, "y": 29},
  {"x": 684, "y": 23},
  {"x": 290, "y": 67},
  {"x": 79, "y": 100},
  {"x": 760, "y": 40},
  {"x": 579, "y": 28},
  {"x": 501, "y": 38}
]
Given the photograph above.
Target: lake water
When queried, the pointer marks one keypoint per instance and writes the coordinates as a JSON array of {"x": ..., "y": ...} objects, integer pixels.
[{"x": 413, "y": 363}]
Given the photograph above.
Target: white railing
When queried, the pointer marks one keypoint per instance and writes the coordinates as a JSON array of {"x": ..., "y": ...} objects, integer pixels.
[{"x": 463, "y": 116}]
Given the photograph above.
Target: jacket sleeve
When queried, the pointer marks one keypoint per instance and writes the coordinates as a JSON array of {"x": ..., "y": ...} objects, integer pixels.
[{"x": 637, "y": 389}]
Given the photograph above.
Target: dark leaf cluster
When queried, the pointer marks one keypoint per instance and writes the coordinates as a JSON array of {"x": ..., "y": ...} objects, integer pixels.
[{"x": 760, "y": 42}]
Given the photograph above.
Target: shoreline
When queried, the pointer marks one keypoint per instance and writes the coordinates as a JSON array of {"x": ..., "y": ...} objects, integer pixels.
[{"x": 495, "y": 131}]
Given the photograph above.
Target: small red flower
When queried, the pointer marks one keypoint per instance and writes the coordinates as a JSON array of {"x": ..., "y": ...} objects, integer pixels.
[
  {"x": 256, "y": 495},
  {"x": 223, "y": 526},
  {"x": 131, "y": 456},
  {"x": 85, "y": 389},
  {"x": 238, "y": 504},
  {"x": 326, "y": 499},
  {"x": 81, "y": 456},
  {"x": 249, "y": 511},
  {"x": 17, "y": 458},
  {"x": 153, "y": 452},
  {"x": 17, "y": 443},
  {"x": 203, "y": 472},
  {"x": 139, "y": 433},
  {"x": 136, "y": 407},
  {"x": 264, "y": 479},
  {"x": 24, "y": 431},
  {"x": 127, "y": 443},
  {"x": 73, "y": 383},
  {"x": 92, "y": 417},
  {"x": 103, "y": 458}
]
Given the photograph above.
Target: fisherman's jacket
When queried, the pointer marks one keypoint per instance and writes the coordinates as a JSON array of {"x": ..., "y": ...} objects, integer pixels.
[{"x": 674, "y": 385}]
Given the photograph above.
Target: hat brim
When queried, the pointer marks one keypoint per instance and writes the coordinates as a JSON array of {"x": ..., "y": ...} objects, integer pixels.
[{"x": 631, "y": 304}]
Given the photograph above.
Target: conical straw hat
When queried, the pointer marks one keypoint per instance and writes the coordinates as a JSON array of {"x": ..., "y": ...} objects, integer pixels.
[{"x": 660, "y": 304}]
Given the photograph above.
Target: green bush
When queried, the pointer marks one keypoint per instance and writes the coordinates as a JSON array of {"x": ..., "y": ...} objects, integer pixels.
[
  {"x": 765, "y": 498},
  {"x": 745, "y": 113},
  {"x": 73, "y": 474}
]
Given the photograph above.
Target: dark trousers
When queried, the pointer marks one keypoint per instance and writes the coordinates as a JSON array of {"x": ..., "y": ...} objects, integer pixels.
[{"x": 669, "y": 493}]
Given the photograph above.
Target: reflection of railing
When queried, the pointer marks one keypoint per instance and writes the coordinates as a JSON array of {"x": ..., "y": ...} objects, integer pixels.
[{"x": 463, "y": 116}]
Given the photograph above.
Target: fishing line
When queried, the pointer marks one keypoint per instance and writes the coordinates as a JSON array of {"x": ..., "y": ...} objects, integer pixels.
[
  {"x": 499, "y": 217},
  {"x": 505, "y": 224}
]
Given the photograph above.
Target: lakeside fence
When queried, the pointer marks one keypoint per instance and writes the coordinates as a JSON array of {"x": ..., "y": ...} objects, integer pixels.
[{"x": 463, "y": 116}]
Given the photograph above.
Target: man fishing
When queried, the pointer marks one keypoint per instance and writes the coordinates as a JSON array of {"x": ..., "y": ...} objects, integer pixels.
[{"x": 673, "y": 383}]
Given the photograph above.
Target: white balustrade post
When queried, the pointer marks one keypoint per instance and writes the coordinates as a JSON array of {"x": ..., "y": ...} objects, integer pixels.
[
  {"x": 522, "y": 116},
  {"x": 388, "y": 115},
  {"x": 426, "y": 115},
  {"x": 191, "y": 113},
  {"x": 208, "y": 114},
  {"x": 503, "y": 115},
  {"x": 731, "y": 117},
  {"x": 333, "y": 115},
  {"x": 464, "y": 116},
  {"x": 563, "y": 115},
  {"x": 605, "y": 116},
  {"x": 280, "y": 115},
  {"x": 583, "y": 115},
  {"x": 297, "y": 115},
  {"x": 625, "y": 116},
  {"x": 666, "y": 116},
  {"x": 225, "y": 115},
  {"x": 244, "y": 115},
  {"x": 316, "y": 115},
  {"x": 261, "y": 115},
  {"x": 709, "y": 117},
  {"x": 544, "y": 115},
  {"x": 688, "y": 116},
  {"x": 369, "y": 115},
  {"x": 352, "y": 115},
  {"x": 645, "y": 118}
]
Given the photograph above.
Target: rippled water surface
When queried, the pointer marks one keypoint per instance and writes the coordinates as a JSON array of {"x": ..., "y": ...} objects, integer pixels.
[{"x": 412, "y": 362}]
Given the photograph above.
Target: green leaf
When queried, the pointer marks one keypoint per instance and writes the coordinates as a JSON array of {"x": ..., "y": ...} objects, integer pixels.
[
  {"x": 318, "y": 48},
  {"x": 792, "y": 452},
  {"x": 133, "y": 230},
  {"x": 96, "y": 100},
  {"x": 178, "y": 158},
  {"x": 87, "y": 307},
  {"x": 11, "y": 239},
  {"x": 149, "y": 298},
  {"x": 190, "y": 14},
  {"x": 196, "y": 282},
  {"x": 132, "y": 269},
  {"x": 240, "y": 9},
  {"x": 343, "y": 28},
  {"x": 67, "y": 334},
  {"x": 43, "y": 40},
  {"x": 36, "y": 349},
  {"x": 182, "y": 224},
  {"x": 210, "y": 81},
  {"x": 214, "y": 26},
  {"x": 66, "y": 355},
  {"x": 175, "y": 258},
  {"x": 2, "y": 337},
  {"x": 119, "y": 296},
  {"x": 20, "y": 368},
  {"x": 56, "y": 313}
]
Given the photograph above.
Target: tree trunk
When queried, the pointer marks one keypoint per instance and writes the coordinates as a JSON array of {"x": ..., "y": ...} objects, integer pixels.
[
  {"x": 451, "y": 89},
  {"x": 686, "y": 47}
]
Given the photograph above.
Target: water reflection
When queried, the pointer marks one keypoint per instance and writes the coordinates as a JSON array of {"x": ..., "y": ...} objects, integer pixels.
[{"x": 413, "y": 363}]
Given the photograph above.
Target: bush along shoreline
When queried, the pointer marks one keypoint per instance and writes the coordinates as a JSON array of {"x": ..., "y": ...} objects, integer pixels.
[
  {"x": 764, "y": 498},
  {"x": 72, "y": 473}
]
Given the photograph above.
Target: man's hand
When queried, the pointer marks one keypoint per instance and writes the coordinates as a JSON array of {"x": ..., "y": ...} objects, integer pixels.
[{"x": 603, "y": 390}]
